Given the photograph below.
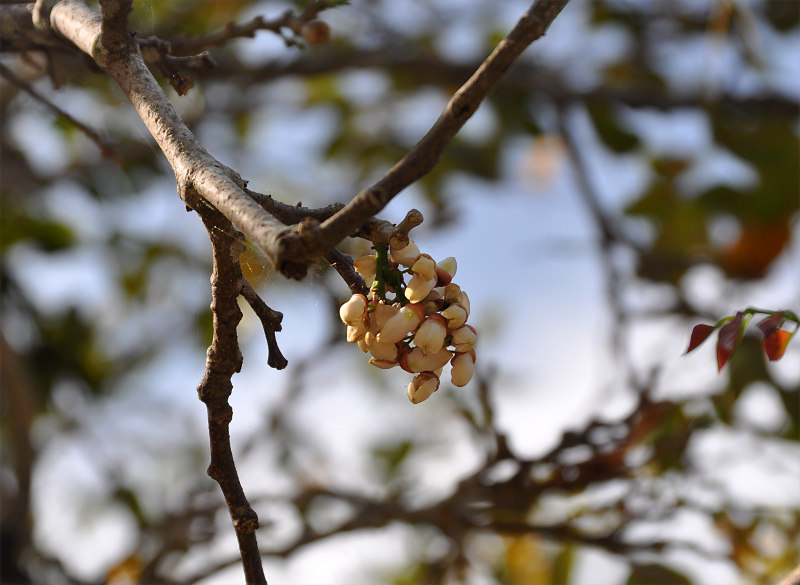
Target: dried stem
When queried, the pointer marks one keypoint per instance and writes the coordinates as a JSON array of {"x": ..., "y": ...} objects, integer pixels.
[{"x": 270, "y": 320}]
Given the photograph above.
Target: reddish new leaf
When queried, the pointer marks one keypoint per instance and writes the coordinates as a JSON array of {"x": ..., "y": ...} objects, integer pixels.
[
  {"x": 775, "y": 343},
  {"x": 728, "y": 339},
  {"x": 699, "y": 334},
  {"x": 770, "y": 324}
]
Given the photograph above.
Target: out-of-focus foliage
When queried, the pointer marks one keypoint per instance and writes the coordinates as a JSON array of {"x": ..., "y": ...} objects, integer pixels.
[{"x": 102, "y": 284}]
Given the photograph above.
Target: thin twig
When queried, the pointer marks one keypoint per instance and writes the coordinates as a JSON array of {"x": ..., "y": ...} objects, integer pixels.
[
  {"x": 105, "y": 149},
  {"x": 303, "y": 243},
  {"x": 270, "y": 320}
]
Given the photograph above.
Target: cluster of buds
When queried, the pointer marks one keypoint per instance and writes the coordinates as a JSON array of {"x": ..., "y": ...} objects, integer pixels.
[{"x": 419, "y": 325}]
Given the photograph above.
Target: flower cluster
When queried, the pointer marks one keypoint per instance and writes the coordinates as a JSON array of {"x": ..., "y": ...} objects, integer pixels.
[{"x": 421, "y": 326}]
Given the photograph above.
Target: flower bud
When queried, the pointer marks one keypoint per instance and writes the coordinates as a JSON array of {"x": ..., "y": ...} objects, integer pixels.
[
  {"x": 425, "y": 267},
  {"x": 430, "y": 335},
  {"x": 406, "y": 255},
  {"x": 463, "y": 368},
  {"x": 406, "y": 320},
  {"x": 316, "y": 32},
  {"x": 452, "y": 293},
  {"x": 381, "y": 351},
  {"x": 366, "y": 266},
  {"x": 362, "y": 345},
  {"x": 382, "y": 364},
  {"x": 422, "y": 386},
  {"x": 382, "y": 314},
  {"x": 465, "y": 302},
  {"x": 356, "y": 332},
  {"x": 456, "y": 316},
  {"x": 418, "y": 288},
  {"x": 354, "y": 310},
  {"x": 416, "y": 361},
  {"x": 446, "y": 270},
  {"x": 464, "y": 338}
]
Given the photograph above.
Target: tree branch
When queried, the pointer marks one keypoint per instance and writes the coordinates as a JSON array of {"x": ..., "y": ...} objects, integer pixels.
[
  {"x": 302, "y": 244},
  {"x": 224, "y": 359}
]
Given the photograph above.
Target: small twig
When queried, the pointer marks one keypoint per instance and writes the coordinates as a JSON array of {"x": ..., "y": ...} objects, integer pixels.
[
  {"x": 235, "y": 30},
  {"x": 105, "y": 149},
  {"x": 270, "y": 320},
  {"x": 343, "y": 264}
]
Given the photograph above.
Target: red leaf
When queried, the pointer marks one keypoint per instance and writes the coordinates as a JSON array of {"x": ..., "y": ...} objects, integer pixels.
[
  {"x": 728, "y": 339},
  {"x": 699, "y": 334},
  {"x": 775, "y": 343},
  {"x": 770, "y": 324}
]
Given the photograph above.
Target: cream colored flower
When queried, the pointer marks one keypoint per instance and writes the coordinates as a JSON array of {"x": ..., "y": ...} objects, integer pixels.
[
  {"x": 463, "y": 368},
  {"x": 405, "y": 256},
  {"x": 456, "y": 316},
  {"x": 405, "y": 321},
  {"x": 366, "y": 266},
  {"x": 430, "y": 335},
  {"x": 379, "y": 350},
  {"x": 422, "y": 386},
  {"x": 418, "y": 288},
  {"x": 446, "y": 270},
  {"x": 464, "y": 338},
  {"x": 425, "y": 267},
  {"x": 416, "y": 361},
  {"x": 354, "y": 310}
]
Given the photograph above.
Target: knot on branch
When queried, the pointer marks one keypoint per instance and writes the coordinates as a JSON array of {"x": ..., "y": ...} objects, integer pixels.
[{"x": 298, "y": 247}]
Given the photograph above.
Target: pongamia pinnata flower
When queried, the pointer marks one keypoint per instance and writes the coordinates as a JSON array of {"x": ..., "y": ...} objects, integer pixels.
[
  {"x": 422, "y": 386},
  {"x": 416, "y": 361},
  {"x": 405, "y": 256},
  {"x": 405, "y": 321},
  {"x": 366, "y": 266},
  {"x": 356, "y": 332},
  {"x": 418, "y": 288},
  {"x": 354, "y": 310},
  {"x": 382, "y": 364},
  {"x": 463, "y": 366},
  {"x": 456, "y": 316},
  {"x": 446, "y": 270},
  {"x": 425, "y": 267},
  {"x": 464, "y": 338},
  {"x": 381, "y": 351},
  {"x": 430, "y": 335}
]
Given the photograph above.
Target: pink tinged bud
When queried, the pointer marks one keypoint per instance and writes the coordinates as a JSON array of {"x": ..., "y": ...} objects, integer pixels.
[
  {"x": 416, "y": 361},
  {"x": 425, "y": 267},
  {"x": 446, "y": 270},
  {"x": 382, "y": 364},
  {"x": 456, "y": 316},
  {"x": 463, "y": 368},
  {"x": 418, "y": 288},
  {"x": 464, "y": 338},
  {"x": 354, "y": 333},
  {"x": 366, "y": 266},
  {"x": 404, "y": 322},
  {"x": 422, "y": 386},
  {"x": 430, "y": 335},
  {"x": 381, "y": 351},
  {"x": 354, "y": 310},
  {"x": 405, "y": 256}
]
